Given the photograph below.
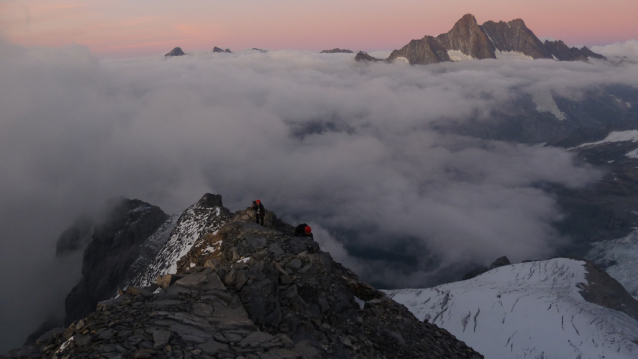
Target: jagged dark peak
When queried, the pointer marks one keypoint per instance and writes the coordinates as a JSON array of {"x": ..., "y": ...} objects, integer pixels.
[
  {"x": 421, "y": 52},
  {"x": 364, "y": 57},
  {"x": 176, "y": 52},
  {"x": 515, "y": 36},
  {"x": 468, "y": 37},
  {"x": 218, "y": 49},
  {"x": 337, "y": 51},
  {"x": 210, "y": 201},
  {"x": 587, "y": 52},
  {"x": 562, "y": 52}
]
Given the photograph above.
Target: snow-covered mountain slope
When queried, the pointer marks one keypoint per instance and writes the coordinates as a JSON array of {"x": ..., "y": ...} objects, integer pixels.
[
  {"x": 204, "y": 217},
  {"x": 619, "y": 258},
  {"x": 615, "y": 136},
  {"x": 150, "y": 248},
  {"x": 530, "y": 310}
]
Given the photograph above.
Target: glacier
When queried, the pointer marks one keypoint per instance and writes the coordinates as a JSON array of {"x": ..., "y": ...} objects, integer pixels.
[{"x": 527, "y": 310}]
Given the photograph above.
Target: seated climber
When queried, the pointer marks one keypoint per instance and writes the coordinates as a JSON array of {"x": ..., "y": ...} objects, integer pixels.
[
  {"x": 260, "y": 211},
  {"x": 303, "y": 230}
]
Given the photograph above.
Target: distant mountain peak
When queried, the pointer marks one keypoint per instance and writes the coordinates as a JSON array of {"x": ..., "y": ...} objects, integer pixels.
[
  {"x": 485, "y": 42},
  {"x": 176, "y": 52}
]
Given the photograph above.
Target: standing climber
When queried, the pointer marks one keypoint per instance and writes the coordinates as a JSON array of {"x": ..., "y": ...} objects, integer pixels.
[
  {"x": 260, "y": 211},
  {"x": 303, "y": 230}
]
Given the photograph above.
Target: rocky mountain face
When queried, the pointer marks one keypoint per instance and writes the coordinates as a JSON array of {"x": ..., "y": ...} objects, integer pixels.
[
  {"x": 485, "y": 42},
  {"x": 515, "y": 36},
  {"x": 466, "y": 36},
  {"x": 337, "y": 51},
  {"x": 364, "y": 57},
  {"x": 218, "y": 50},
  {"x": 421, "y": 52},
  {"x": 175, "y": 52},
  {"x": 114, "y": 246},
  {"x": 558, "y": 308},
  {"x": 248, "y": 291}
]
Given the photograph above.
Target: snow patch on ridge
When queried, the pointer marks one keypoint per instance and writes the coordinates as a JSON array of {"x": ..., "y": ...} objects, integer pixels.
[
  {"x": 511, "y": 55},
  {"x": 193, "y": 223},
  {"x": 526, "y": 310},
  {"x": 616, "y": 136},
  {"x": 456, "y": 56}
]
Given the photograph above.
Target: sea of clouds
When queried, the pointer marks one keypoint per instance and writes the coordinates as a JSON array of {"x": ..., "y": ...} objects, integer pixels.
[{"x": 344, "y": 146}]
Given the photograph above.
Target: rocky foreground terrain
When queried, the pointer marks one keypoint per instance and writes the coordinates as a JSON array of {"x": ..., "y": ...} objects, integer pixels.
[{"x": 249, "y": 291}]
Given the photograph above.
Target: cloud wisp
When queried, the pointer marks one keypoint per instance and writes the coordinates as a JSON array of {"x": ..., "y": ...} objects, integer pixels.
[{"x": 319, "y": 138}]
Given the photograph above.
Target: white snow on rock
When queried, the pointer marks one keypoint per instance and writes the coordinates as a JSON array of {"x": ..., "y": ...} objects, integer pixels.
[
  {"x": 545, "y": 103},
  {"x": 619, "y": 258},
  {"x": 632, "y": 154},
  {"x": 401, "y": 59},
  {"x": 511, "y": 55},
  {"x": 526, "y": 310},
  {"x": 616, "y": 136},
  {"x": 456, "y": 56},
  {"x": 149, "y": 250},
  {"x": 193, "y": 223}
]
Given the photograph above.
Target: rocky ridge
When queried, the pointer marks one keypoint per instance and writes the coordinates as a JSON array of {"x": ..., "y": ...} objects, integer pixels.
[
  {"x": 175, "y": 52},
  {"x": 218, "y": 50},
  {"x": 486, "y": 42},
  {"x": 249, "y": 291},
  {"x": 337, "y": 51}
]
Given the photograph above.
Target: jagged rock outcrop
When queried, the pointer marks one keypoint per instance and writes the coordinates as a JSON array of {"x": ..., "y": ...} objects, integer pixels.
[
  {"x": 337, "y": 51},
  {"x": 562, "y": 52},
  {"x": 422, "y": 52},
  {"x": 255, "y": 292},
  {"x": 217, "y": 49},
  {"x": 202, "y": 218},
  {"x": 468, "y": 37},
  {"x": 175, "y": 52},
  {"x": 515, "y": 36},
  {"x": 113, "y": 248},
  {"x": 364, "y": 57}
]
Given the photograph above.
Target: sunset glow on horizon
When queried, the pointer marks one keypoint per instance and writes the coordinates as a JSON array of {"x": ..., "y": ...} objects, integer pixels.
[{"x": 123, "y": 29}]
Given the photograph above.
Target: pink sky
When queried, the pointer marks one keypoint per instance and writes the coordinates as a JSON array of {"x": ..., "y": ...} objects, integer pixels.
[{"x": 129, "y": 28}]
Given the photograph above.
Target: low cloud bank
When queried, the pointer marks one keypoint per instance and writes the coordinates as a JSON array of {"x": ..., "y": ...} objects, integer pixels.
[{"x": 318, "y": 138}]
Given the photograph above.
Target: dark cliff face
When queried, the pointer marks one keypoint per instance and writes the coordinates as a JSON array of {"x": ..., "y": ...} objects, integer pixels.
[
  {"x": 422, "y": 52},
  {"x": 113, "y": 248},
  {"x": 175, "y": 52},
  {"x": 466, "y": 36},
  {"x": 515, "y": 36}
]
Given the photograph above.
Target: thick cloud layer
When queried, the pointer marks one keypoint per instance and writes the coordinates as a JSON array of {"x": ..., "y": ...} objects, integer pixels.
[{"x": 344, "y": 146}]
